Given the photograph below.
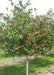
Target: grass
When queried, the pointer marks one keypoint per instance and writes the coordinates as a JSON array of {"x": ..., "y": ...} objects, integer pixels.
[
  {"x": 34, "y": 65},
  {"x": 4, "y": 56},
  {"x": 53, "y": 47}
]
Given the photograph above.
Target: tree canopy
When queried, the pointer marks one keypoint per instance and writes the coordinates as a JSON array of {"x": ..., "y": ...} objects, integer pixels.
[{"x": 24, "y": 34}]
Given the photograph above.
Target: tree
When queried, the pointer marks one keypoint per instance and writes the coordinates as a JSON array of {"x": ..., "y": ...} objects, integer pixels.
[{"x": 24, "y": 34}]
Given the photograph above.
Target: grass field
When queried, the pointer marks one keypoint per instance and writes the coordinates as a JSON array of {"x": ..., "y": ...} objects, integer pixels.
[{"x": 34, "y": 65}]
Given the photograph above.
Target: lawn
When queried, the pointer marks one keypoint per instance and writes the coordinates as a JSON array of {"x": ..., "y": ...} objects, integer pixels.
[
  {"x": 34, "y": 65},
  {"x": 4, "y": 56}
]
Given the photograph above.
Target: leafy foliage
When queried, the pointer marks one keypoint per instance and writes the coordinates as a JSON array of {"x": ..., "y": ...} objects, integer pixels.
[{"x": 25, "y": 35}]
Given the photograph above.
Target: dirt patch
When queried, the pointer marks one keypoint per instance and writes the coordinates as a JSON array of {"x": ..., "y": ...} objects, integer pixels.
[{"x": 15, "y": 60}]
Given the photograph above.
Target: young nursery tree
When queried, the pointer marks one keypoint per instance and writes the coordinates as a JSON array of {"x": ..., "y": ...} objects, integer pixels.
[{"x": 25, "y": 35}]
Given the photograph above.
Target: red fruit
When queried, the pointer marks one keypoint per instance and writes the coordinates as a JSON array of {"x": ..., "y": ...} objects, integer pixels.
[
  {"x": 44, "y": 42},
  {"x": 31, "y": 26},
  {"x": 33, "y": 52},
  {"x": 37, "y": 40},
  {"x": 34, "y": 45},
  {"x": 22, "y": 54},
  {"x": 29, "y": 39},
  {"x": 42, "y": 45},
  {"x": 30, "y": 54},
  {"x": 47, "y": 55},
  {"x": 25, "y": 34},
  {"x": 38, "y": 18},
  {"x": 38, "y": 28},
  {"x": 28, "y": 35},
  {"x": 22, "y": 17},
  {"x": 35, "y": 24},
  {"x": 13, "y": 24},
  {"x": 46, "y": 32},
  {"x": 33, "y": 41},
  {"x": 36, "y": 51},
  {"x": 40, "y": 34},
  {"x": 25, "y": 47},
  {"x": 38, "y": 23},
  {"x": 25, "y": 23},
  {"x": 45, "y": 35},
  {"x": 36, "y": 34},
  {"x": 36, "y": 48},
  {"x": 5, "y": 48}
]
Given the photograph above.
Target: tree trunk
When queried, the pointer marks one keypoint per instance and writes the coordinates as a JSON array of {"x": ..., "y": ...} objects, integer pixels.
[
  {"x": 26, "y": 65},
  {"x": 15, "y": 58}
]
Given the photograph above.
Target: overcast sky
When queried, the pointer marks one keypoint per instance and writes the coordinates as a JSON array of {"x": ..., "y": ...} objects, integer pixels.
[{"x": 42, "y": 5}]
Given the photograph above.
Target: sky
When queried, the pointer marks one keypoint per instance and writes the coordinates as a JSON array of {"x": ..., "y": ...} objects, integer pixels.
[{"x": 42, "y": 6}]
